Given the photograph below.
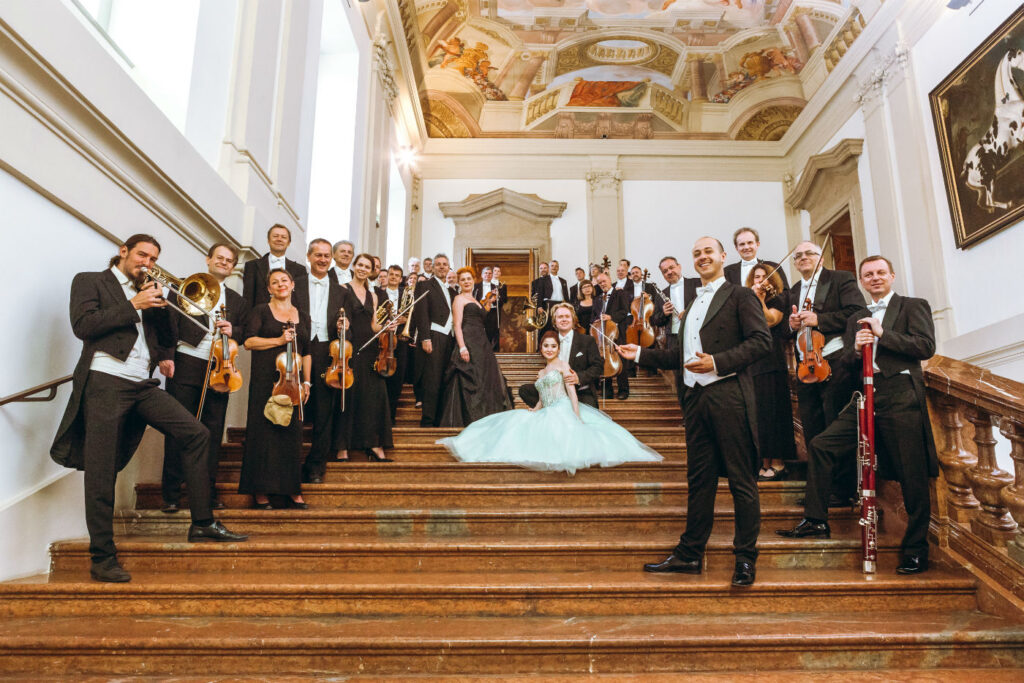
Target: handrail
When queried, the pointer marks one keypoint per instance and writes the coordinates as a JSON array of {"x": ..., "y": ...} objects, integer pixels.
[{"x": 24, "y": 396}]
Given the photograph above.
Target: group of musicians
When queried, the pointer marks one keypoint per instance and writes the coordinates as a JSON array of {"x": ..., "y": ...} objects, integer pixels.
[{"x": 724, "y": 332}]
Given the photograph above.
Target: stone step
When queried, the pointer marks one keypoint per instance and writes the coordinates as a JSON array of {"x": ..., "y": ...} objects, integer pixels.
[
  {"x": 593, "y": 593},
  {"x": 416, "y": 435},
  {"x": 297, "y": 552},
  {"x": 650, "y": 418},
  {"x": 438, "y": 470},
  {"x": 277, "y": 646},
  {"x": 440, "y": 523},
  {"x": 565, "y": 494}
]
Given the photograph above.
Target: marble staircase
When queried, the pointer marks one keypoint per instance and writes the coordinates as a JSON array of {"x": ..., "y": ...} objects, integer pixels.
[{"x": 428, "y": 567}]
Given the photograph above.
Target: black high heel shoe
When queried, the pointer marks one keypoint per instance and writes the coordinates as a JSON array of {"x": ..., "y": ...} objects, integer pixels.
[
  {"x": 373, "y": 457},
  {"x": 262, "y": 506}
]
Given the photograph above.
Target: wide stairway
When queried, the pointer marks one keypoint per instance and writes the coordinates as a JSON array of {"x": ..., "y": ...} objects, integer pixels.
[{"x": 425, "y": 566}]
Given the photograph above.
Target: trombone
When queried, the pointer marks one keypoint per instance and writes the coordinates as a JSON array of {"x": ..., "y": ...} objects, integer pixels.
[
  {"x": 401, "y": 312},
  {"x": 199, "y": 293}
]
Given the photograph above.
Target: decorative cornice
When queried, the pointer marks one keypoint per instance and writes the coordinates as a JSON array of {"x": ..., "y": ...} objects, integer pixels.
[
  {"x": 883, "y": 72},
  {"x": 604, "y": 181},
  {"x": 529, "y": 204},
  {"x": 836, "y": 157}
]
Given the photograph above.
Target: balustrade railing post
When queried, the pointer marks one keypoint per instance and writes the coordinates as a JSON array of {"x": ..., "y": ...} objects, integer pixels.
[
  {"x": 992, "y": 522},
  {"x": 955, "y": 460},
  {"x": 1013, "y": 495}
]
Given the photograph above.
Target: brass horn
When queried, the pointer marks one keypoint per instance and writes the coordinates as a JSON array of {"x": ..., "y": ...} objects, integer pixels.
[
  {"x": 198, "y": 293},
  {"x": 407, "y": 304}
]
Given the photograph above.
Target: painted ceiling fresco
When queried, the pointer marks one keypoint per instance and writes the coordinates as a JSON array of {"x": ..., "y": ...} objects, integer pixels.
[{"x": 638, "y": 69}]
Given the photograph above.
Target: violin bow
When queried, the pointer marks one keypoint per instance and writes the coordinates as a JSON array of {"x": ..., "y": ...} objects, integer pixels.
[{"x": 399, "y": 315}]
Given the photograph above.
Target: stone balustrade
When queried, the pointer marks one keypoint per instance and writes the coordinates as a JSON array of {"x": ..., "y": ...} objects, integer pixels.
[{"x": 978, "y": 503}]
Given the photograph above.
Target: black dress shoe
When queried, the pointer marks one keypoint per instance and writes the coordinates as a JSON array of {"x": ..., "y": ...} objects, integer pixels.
[
  {"x": 622, "y": 395},
  {"x": 313, "y": 479},
  {"x": 426, "y": 423},
  {"x": 109, "y": 571},
  {"x": 912, "y": 564},
  {"x": 673, "y": 564},
  {"x": 169, "y": 507},
  {"x": 297, "y": 505},
  {"x": 744, "y": 574},
  {"x": 213, "y": 532},
  {"x": 262, "y": 506},
  {"x": 807, "y": 529}
]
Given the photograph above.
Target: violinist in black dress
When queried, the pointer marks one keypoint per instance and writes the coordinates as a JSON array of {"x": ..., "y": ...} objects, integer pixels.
[
  {"x": 366, "y": 422},
  {"x": 272, "y": 459}
]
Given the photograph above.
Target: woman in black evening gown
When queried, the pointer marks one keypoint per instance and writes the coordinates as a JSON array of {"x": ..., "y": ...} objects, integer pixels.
[
  {"x": 475, "y": 386},
  {"x": 366, "y": 422},
  {"x": 585, "y": 306},
  {"x": 272, "y": 459}
]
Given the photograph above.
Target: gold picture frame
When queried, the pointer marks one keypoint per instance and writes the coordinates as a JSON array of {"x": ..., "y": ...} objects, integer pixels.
[{"x": 978, "y": 111}]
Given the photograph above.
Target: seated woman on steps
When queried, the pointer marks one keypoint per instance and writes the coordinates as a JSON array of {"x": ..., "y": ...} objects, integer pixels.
[{"x": 558, "y": 434}]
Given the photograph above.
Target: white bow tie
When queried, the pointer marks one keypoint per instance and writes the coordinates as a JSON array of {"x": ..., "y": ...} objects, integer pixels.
[
  {"x": 875, "y": 308},
  {"x": 708, "y": 289}
]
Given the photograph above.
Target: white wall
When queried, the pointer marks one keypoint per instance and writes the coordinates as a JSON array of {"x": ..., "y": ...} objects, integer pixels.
[
  {"x": 665, "y": 218},
  {"x": 568, "y": 233},
  {"x": 394, "y": 252},
  {"x": 990, "y": 268}
]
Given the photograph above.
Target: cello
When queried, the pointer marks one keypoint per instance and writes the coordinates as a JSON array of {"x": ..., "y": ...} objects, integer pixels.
[
  {"x": 224, "y": 377},
  {"x": 339, "y": 374},
  {"x": 289, "y": 365},
  {"x": 640, "y": 331}
]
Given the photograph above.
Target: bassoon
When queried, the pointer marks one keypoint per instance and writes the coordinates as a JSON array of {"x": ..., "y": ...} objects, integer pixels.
[{"x": 867, "y": 460}]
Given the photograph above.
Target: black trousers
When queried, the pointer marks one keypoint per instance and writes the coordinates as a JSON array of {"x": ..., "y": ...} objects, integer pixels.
[
  {"x": 394, "y": 382},
  {"x": 719, "y": 443},
  {"x": 491, "y": 328},
  {"x": 899, "y": 439},
  {"x": 434, "y": 366},
  {"x": 819, "y": 405},
  {"x": 187, "y": 387},
  {"x": 320, "y": 411},
  {"x": 530, "y": 396},
  {"x": 107, "y": 401}
]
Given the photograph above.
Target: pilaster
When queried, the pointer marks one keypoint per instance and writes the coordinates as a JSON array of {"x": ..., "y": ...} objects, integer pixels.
[{"x": 605, "y": 220}]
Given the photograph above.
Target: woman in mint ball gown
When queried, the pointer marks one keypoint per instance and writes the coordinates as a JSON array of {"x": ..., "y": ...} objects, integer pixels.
[{"x": 559, "y": 434}]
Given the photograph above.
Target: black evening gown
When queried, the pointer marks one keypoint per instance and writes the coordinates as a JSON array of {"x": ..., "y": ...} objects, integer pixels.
[
  {"x": 475, "y": 389},
  {"x": 366, "y": 422},
  {"x": 584, "y": 315},
  {"x": 272, "y": 459},
  {"x": 771, "y": 390}
]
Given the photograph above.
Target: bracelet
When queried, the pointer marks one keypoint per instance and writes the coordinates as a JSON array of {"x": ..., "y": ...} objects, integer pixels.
[{"x": 307, "y": 384}]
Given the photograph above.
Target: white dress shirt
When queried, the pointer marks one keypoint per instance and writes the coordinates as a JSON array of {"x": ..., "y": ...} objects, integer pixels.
[
  {"x": 619, "y": 284},
  {"x": 277, "y": 262},
  {"x": 877, "y": 309},
  {"x": 695, "y": 318},
  {"x": 677, "y": 294},
  {"x": 136, "y": 367},
  {"x": 808, "y": 289},
  {"x": 638, "y": 289},
  {"x": 485, "y": 288},
  {"x": 393, "y": 296},
  {"x": 745, "y": 268},
  {"x": 556, "y": 289},
  {"x": 319, "y": 292},
  {"x": 565, "y": 346},
  {"x": 344, "y": 275},
  {"x": 447, "y": 327},
  {"x": 203, "y": 350}
]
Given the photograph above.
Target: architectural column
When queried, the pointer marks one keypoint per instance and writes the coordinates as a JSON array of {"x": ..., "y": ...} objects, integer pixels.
[
  {"x": 605, "y": 234},
  {"x": 719, "y": 61},
  {"x": 698, "y": 85},
  {"x": 433, "y": 26},
  {"x": 807, "y": 31},
  {"x": 521, "y": 90},
  {"x": 797, "y": 41}
]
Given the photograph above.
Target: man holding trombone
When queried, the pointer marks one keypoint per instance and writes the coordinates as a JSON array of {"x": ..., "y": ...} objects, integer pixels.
[{"x": 122, "y": 320}]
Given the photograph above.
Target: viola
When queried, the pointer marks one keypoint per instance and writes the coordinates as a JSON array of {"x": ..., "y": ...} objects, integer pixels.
[
  {"x": 640, "y": 331},
  {"x": 339, "y": 374},
  {"x": 386, "y": 364},
  {"x": 813, "y": 367},
  {"x": 224, "y": 377},
  {"x": 289, "y": 380}
]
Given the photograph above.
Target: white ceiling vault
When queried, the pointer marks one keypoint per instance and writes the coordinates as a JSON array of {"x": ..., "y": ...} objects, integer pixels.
[{"x": 621, "y": 69}]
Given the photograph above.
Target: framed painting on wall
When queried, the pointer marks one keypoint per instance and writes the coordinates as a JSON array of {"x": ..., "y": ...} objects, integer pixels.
[{"x": 978, "y": 112}]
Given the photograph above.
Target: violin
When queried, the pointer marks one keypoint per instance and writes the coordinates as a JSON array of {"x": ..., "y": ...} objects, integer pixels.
[
  {"x": 224, "y": 377},
  {"x": 605, "y": 332},
  {"x": 289, "y": 380},
  {"x": 813, "y": 367},
  {"x": 640, "y": 331},
  {"x": 339, "y": 374},
  {"x": 488, "y": 301},
  {"x": 386, "y": 364}
]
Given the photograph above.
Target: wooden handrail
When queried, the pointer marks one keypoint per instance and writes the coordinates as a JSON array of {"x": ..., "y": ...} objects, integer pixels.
[{"x": 26, "y": 396}]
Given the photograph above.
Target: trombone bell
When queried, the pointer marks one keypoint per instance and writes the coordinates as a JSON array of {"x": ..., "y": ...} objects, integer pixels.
[{"x": 198, "y": 293}]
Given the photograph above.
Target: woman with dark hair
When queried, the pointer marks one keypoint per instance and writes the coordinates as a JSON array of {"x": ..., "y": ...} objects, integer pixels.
[
  {"x": 366, "y": 422},
  {"x": 771, "y": 380},
  {"x": 475, "y": 385},
  {"x": 558, "y": 434},
  {"x": 272, "y": 459},
  {"x": 585, "y": 306}
]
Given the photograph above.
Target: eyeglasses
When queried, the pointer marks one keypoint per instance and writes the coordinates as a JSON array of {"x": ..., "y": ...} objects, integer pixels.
[{"x": 800, "y": 254}]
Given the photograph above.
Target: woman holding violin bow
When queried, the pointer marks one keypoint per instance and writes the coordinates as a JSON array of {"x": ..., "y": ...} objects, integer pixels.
[
  {"x": 202, "y": 375},
  {"x": 277, "y": 333},
  {"x": 365, "y": 423}
]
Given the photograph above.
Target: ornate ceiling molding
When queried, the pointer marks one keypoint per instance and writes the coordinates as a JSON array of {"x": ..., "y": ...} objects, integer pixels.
[{"x": 874, "y": 86}]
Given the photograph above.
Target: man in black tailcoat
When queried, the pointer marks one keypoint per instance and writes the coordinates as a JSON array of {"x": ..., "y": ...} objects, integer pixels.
[
  {"x": 903, "y": 335},
  {"x": 256, "y": 274},
  {"x": 126, "y": 332},
  {"x": 614, "y": 305},
  {"x": 747, "y": 243},
  {"x": 723, "y": 333},
  {"x": 432, "y": 319}
]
